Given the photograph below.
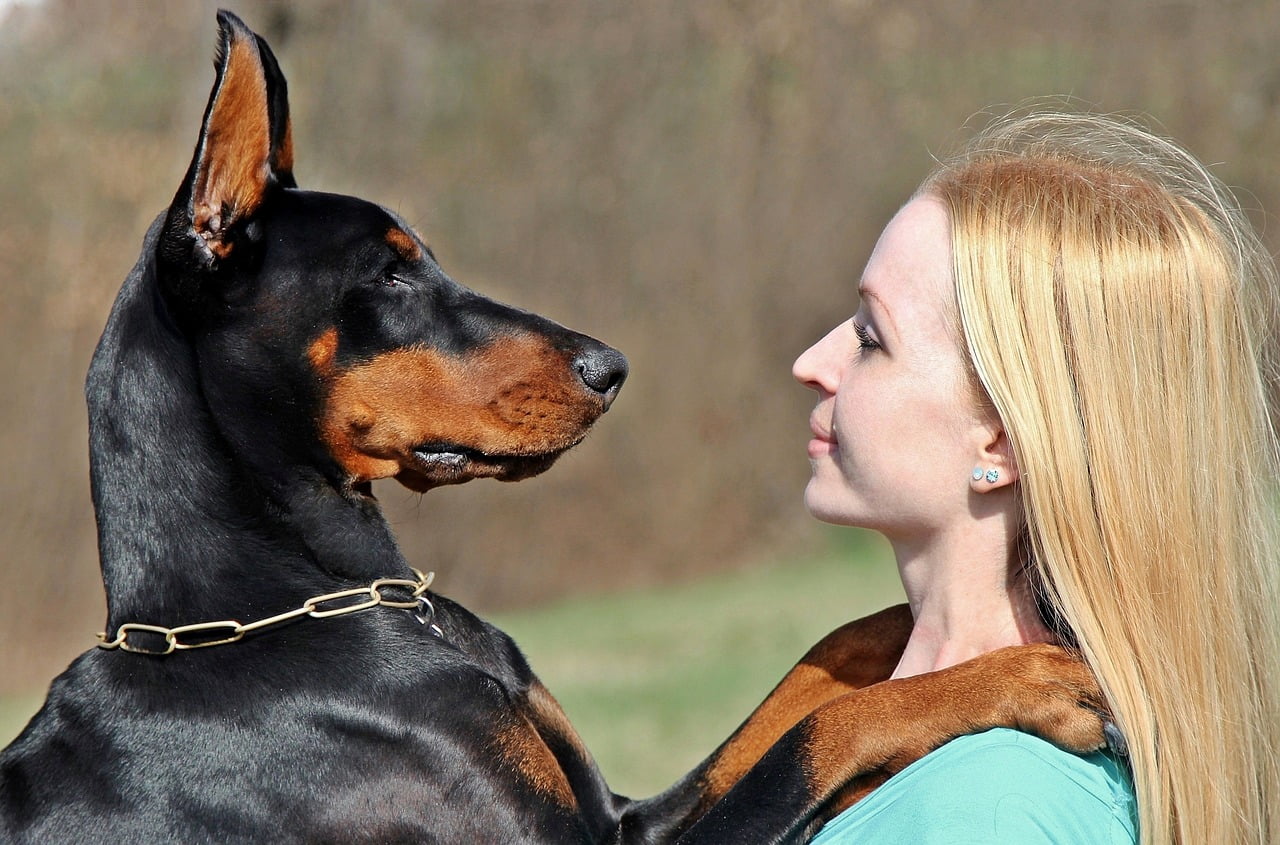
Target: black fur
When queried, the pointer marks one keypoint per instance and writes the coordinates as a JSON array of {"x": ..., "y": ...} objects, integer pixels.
[{"x": 215, "y": 499}]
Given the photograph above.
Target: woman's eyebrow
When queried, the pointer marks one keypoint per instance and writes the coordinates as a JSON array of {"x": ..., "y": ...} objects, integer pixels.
[{"x": 870, "y": 295}]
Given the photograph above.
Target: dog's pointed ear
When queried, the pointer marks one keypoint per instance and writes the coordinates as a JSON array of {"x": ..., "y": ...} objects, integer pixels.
[
  {"x": 278, "y": 112},
  {"x": 245, "y": 151}
]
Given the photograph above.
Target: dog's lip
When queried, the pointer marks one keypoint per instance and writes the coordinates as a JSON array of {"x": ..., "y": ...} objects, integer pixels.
[
  {"x": 434, "y": 464},
  {"x": 456, "y": 455},
  {"x": 452, "y": 460},
  {"x": 447, "y": 454}
]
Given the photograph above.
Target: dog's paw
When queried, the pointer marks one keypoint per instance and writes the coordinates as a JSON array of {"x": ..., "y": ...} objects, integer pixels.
[{"x": 1045, "y": 690}]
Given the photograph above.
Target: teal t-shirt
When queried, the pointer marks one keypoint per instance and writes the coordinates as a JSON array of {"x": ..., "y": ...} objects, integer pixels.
[{"x": 1000, "y": 786}]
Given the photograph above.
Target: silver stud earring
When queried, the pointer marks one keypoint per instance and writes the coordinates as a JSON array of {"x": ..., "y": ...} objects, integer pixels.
[
  {"x": 977, "y": 473},
  {"x": 993, "y": 475}
]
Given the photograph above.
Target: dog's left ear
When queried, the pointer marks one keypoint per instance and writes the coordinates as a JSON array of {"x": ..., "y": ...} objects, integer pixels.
[{"x": 245, "y": 152}]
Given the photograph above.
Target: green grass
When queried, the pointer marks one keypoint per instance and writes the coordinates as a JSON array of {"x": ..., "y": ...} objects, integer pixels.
[
  {"x": 15, "y": 711},
  {"x": 654, "y": 680}
]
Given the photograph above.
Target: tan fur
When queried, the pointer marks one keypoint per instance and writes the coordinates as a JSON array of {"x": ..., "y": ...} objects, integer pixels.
[
  {"x": 234, "y": 173},
  {"x": 523, "y": 746},
  {"x": 323, "y": 350},
  {"x": 514, "y": 397},
  {"x": 405, "y": 245},
  {"x": 551, "y": 719},
  {"x": 851, "y": 657},
  {"x": 878, "y": 731}
]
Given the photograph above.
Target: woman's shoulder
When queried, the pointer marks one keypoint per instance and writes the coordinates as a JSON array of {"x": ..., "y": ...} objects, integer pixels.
[
  {"x": 1010, "y": 760},
  {"x": 997, "y": 786}
]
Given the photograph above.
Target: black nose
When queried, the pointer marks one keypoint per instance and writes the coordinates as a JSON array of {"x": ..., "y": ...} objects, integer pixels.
[{"x": 603, "y": 369}]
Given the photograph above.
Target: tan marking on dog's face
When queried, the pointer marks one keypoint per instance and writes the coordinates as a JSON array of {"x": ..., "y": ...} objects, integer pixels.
[
  {"x": 404, "y": 244},
  {"x": 323, "y": 350},
  {"x": 515, "y": 398}
]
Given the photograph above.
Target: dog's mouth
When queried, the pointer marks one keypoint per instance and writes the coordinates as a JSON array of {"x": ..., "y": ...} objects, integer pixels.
[{"x": 436, "y": 464}]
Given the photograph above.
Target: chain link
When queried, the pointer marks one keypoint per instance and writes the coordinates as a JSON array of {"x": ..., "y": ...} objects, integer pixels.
[{"x": 326, "y": 606}]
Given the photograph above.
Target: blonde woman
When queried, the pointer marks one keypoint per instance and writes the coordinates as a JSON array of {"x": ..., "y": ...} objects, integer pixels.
[{"x": 1053, "y": 401}]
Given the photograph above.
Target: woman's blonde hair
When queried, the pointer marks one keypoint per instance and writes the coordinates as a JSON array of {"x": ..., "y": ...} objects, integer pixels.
[{"x": 1118, "y": 309}]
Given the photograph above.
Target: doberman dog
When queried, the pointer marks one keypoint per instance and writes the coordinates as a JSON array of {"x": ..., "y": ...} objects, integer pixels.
[{"x": 272, "y": 670}]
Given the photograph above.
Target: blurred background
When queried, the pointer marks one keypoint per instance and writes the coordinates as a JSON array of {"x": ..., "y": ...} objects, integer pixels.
[{"x": 696, "y": 183}]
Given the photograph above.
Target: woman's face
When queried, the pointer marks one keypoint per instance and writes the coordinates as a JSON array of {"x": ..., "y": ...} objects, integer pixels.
[{"x": 896, "y": 431}]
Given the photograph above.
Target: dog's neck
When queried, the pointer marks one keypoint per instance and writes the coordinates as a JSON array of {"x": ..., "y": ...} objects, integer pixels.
[{"x": 186, "y": 530}]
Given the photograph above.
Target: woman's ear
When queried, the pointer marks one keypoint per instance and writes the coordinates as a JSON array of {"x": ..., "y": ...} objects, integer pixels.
[{"x": 996, "y": 466}]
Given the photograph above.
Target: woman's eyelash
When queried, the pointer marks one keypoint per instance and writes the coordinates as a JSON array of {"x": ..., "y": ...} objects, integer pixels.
[{"x": 865, "y": 340}]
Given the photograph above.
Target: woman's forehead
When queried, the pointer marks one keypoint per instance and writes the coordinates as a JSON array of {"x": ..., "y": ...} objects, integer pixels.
[{"x": 909, "y": 274}]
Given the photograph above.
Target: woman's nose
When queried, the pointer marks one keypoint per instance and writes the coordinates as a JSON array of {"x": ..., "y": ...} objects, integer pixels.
[{"x": 815, "y": 367}]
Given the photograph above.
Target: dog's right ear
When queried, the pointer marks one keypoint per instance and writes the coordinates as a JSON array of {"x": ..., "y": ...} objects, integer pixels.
[{"x": 245, "y": 152}]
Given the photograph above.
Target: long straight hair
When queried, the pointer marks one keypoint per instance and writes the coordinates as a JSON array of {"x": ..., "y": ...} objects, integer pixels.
[{"x": 1118, "y": 311}]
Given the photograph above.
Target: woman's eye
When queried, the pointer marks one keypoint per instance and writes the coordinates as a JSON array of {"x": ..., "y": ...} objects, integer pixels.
[{"x": 865, "y": 340}]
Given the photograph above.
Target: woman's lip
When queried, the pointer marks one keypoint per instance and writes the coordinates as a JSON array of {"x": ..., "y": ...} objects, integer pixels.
[
  {"x": 823, "y": 443},
  {"x": 819, "y": 447},
  {"x": 820, "y": 433}
]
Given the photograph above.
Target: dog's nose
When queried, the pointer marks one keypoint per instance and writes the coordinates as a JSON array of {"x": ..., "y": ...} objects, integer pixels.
[{"x": 603, "y": 369}]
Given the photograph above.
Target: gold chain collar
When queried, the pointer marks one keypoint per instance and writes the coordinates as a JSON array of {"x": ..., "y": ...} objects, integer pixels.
[{"x": 233, "y": 631}]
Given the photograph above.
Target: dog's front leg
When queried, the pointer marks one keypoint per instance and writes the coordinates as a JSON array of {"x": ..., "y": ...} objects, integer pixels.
[
  {"x": 855, "y": 655},
  {"x": 845, "y": 748}
]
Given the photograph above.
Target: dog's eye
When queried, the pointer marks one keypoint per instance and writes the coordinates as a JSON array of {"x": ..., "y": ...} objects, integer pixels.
[{"x": 392, "y": 280}]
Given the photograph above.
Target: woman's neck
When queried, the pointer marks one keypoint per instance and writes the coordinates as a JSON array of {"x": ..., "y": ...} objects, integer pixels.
[{"x": 966, "y": 599}]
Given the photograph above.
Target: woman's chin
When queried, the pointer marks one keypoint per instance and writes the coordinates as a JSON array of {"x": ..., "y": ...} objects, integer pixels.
[{"x": 824, "y": 506}]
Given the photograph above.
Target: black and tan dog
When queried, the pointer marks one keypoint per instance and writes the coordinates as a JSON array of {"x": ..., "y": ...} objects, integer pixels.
[{"x": 272, "y": 670}]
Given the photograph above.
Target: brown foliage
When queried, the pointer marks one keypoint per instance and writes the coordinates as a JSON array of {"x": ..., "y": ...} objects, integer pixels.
[{"x": 697, "y": 184}]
